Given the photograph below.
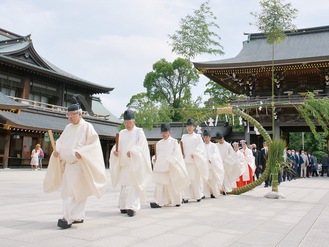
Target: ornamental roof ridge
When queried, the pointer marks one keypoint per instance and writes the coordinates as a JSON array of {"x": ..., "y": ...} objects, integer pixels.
[
  {"x": 9, "y": 34},
  {"x": 300, "y": 46},
  {"x": 299, "y": 31},
  {"x": 16, "y": 40}
]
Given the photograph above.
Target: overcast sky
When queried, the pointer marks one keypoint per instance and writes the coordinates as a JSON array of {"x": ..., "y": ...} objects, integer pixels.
[{"x": 115, "y": 43}]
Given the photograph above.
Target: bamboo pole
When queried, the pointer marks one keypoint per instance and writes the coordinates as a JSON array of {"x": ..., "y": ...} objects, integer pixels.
[{"x": 52, "y": 141}]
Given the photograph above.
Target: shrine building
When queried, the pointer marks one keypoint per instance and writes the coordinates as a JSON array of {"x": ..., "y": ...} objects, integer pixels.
[
  {"x": 301, "y": 65},
  {"x": 34, "y": 96}
]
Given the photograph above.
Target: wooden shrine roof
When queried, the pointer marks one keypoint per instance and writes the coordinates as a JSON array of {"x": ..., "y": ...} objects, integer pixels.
[
  {"x": 301, "y": 60},
  {"x": 18, "y": 52},
  {"x": 9, "y": 105},
  {"x": 308, "y": 44}
]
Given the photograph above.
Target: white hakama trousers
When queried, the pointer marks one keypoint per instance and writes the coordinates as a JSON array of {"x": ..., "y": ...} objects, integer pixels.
[
  {"x": 129, "y": 197},
  {"x": 195, "y": 190},
  {"x": 212, "y": 187},
  {"x": 228, "y": 184},
  {"x": 165, "y": 195},
  {"x": 72, "y": 209}
]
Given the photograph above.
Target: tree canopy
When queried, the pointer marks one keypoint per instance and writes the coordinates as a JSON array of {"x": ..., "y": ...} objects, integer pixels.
[
  {"x": 218, "y": 95},
  {"x": 315, "y": 111},
  {"x": 168, "y": 85},
  {"x": 274, "y": 19},
  {"x": 149, "y": 113},
  {"x": 171, "y": 83},
  {"x": 195, "y": 35}
]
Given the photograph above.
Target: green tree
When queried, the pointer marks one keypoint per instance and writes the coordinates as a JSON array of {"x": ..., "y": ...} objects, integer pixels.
[
  {"x": 317, "y": 147},
  {"x": 168, "y": 85},
  {"x": 147, "y": 112},
  {"x": 195, "y": 35},
  {"x": 171, "y": 83},
  {"x": 316, "y": 113},
  {"x": 274, "y": 19},
  {"x": 218, "y": 95}
]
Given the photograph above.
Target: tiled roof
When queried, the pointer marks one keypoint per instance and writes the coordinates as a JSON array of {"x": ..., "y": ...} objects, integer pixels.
[
  {"x": 12, "y": 44},
  {"x": 309, "y": 44},
  {"x": 8, "y": 104},
  {"x": 99, "y": 109},
  {"x": 44, "y": 122}
]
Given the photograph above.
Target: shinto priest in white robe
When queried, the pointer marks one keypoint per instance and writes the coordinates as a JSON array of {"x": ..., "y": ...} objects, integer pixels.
[
  {"x": 216, "y": 170},
  {"x": 132, "y": 174},
  {"x": 77, "y": 178},
  {"x": 232, "y": 168},
  {"x": 170, "y": 173},
  {"x": 197, "y": 166}
]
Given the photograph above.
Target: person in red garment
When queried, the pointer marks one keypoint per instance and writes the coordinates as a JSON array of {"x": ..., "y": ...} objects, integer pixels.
[
  {"x": 242, "y": 162},
  {"x": 250, "y": 160}
]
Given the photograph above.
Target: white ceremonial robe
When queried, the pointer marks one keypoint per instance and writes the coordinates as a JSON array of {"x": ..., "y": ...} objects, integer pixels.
[
  {"x": 241, "y": 161},
  {"x": 196, "y": 165},
  {"x": 231, "y": 166},
  {"x": 134, "y": 173},
  {"x": 170, "y": 173},
  {"x": 216, "y": 170},
  {"x": 249, "y": 161},
  {"x": 77, "y": 178}
]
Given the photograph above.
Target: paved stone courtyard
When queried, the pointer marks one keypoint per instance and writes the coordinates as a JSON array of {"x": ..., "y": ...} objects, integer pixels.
[{"x": 28, "y": 217}]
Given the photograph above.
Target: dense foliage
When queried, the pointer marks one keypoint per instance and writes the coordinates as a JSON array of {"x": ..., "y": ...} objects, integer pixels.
[
  {"x": 196, "y": 35},
  {"x": 274, "y": 19}
]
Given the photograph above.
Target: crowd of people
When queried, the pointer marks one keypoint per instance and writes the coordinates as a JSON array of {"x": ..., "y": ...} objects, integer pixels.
[
  {"x": 303, "y": 165},
  {"x": 190, "y": 170}
]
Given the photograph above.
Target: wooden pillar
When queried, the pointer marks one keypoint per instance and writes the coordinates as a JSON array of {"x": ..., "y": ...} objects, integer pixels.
[
  {"x": 61, "y": 95},
  {"x": 276, "y": 130},
  {"x": 6, "y": 151},
  {"x": 40, "y": 139},
  {"x": 26, "y": 88}
]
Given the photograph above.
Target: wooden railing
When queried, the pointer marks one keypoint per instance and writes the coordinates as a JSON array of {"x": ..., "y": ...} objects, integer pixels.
[
  {"x": 53, "y": 108},
  {"x": 283, "y": 100}
]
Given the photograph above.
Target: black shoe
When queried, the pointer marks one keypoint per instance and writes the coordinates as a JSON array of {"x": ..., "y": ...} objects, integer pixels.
[
  {"x": 177, "y": 205},
  {"x": 212, "y": 196},
  {"x": 62, "y": 223},
  {"x": 198, "y": 200},
  {"x": 203, "y": 197},
  {"x": 131, "y": 212},
  {"x": 185, "y": 201},
  {"x": 154, "y": 205},
  {"x": 266, "y": 186},
  {"x": 123, "y": 211},
  {"x": 224, "y": 193},
  {"x": 77, "y": 221}
]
